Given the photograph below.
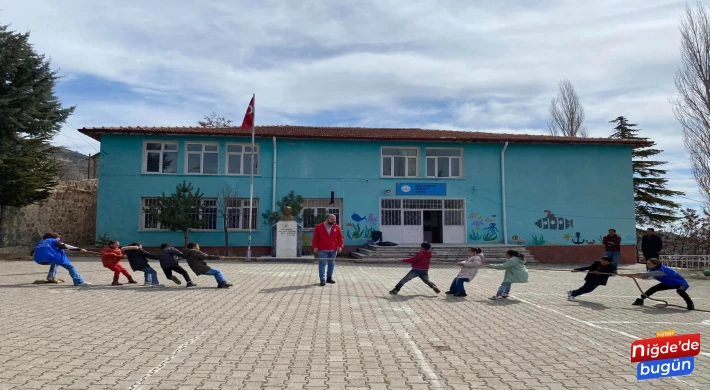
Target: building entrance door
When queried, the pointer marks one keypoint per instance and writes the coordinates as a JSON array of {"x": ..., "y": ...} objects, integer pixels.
[{"x": 433, "y": 226}]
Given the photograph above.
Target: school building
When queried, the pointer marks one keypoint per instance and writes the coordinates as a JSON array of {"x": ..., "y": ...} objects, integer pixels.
[{"x": 556, "y": 196}]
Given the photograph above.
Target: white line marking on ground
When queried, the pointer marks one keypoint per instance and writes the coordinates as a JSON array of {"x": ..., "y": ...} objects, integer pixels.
[
  {"x": 706, "y": 323},
  {"x": 585, "y": 322},
  {"x": 422, "y": 361},
  {"x": 139, "y": 386},
  {"x": 599, "y": 295}
]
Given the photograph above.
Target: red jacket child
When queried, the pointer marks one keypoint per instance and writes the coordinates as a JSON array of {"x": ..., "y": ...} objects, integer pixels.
[
  {"x": 111, "y": 256},
  {"x": 322, "y": 241},
  {"x": 421, "y": 260}
]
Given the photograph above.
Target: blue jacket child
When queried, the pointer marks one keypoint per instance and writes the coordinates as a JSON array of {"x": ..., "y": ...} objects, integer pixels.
[
  {"x": 669, "y": 278},
  {"x": 51, "y": 250}
]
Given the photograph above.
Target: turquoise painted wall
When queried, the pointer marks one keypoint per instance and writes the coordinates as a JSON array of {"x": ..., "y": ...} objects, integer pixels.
[{"x": 592, "y": 185}]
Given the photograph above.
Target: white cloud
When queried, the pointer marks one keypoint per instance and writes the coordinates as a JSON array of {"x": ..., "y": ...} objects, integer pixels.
[{"x": 453, "y": 64}]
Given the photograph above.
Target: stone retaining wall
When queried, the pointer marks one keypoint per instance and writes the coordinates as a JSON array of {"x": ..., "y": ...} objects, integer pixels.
[{"x": 71, "y": 211}]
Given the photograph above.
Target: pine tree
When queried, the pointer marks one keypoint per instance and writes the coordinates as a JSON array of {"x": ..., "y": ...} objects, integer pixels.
[
  {"x": 28, "y": 105},
  {"x": 30, "y": 115},
  {"x": 650, "y": 192},
  {"x": 180, "y": 211}
]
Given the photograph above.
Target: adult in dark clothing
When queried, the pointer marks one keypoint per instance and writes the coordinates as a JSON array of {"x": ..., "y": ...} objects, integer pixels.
[
  {"x": 138, "y": 260},
  {"x": 169, "y": 257},
  {"x": 593, "y": 278},
  {"x": 196, "y": 260},
  {"x": 651, "y": 245},
  {"x": 612, "y": 246}
]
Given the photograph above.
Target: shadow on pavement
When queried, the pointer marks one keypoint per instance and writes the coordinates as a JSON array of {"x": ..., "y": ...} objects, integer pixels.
[
  {"x": 591, "y": 305},
  {"x": 289, "y": 288}
]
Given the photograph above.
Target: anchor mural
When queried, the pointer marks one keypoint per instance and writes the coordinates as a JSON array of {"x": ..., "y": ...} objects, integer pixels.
[
  {"x": 551, "y": 222},
  {"x": 578, "y": 240}
]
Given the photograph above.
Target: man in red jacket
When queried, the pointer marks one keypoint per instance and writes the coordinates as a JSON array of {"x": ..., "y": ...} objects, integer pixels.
[{"x": 327, "y": 243}]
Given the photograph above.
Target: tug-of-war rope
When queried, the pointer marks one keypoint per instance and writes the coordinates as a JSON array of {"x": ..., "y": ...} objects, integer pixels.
[{"x": 662, "y": 305}]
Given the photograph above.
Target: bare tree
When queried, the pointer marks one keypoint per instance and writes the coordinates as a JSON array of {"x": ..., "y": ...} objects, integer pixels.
[
  {"x": 227, "y": 210},
  {"x": 692, "y": 79},
  {"x": 213, "y": 120},
  {"x": 566, "y": 113}
]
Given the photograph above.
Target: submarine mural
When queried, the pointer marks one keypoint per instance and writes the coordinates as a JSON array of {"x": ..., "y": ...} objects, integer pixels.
[{"x": 554, "y": 223}]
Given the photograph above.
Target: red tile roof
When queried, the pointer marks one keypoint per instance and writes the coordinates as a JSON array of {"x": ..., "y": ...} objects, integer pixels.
[{"x": 357, "y": 133}]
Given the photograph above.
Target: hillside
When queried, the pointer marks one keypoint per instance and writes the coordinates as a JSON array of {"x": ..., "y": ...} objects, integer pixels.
[{"x": 73, "y": 165}]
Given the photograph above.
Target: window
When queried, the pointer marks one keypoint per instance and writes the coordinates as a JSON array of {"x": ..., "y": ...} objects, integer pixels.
[
  {"x": 148, "y": 222},
  {"x": 202, "y": 158},
  {"x": 454, "y": 212},
  {"x": 238, "y": 214},
  {"x": 315, "y": 210},
  {"x": 391, "y": 212},
  {"x": 239, "y": 159},
  {"x": 400, "y": 162},
  {"x": 443, "y": 162},
  {"x": 160, "y": 157},
  {"x": 207, "y": 213}
]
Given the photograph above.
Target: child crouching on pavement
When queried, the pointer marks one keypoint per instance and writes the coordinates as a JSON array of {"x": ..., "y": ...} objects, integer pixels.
[
  {"x": 420, "y": 269},
  {"x": 196, "y": 260},
  {"x": 469, "y": 270},
  {"x": 593, "y": 278}
]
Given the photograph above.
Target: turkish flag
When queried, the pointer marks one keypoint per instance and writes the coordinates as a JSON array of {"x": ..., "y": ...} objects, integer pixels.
[{"x": 248, "y": 122}]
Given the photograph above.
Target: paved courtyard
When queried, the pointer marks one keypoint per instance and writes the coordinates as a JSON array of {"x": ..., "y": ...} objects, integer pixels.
[{"x": 277, "y": 329}]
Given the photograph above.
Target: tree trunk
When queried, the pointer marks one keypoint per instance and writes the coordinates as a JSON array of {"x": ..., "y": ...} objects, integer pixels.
[
  {"x": 3, "y": 208},
  {"x": 187, "y": 238}
]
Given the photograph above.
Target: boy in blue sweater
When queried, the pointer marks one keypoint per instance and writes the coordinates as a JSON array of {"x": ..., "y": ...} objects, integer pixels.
[{"x": 669, "y": 278}]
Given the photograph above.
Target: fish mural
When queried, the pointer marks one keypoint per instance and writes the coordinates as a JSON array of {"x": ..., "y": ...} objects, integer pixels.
[
  {"x": 354, "y": 231},
  {"x": 355, "y": 217},
  {"x": 483, "y": 229},
  {"x": 551, "y": 222}
]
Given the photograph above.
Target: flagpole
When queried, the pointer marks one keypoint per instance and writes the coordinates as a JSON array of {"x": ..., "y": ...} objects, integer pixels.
[{"x": 251, "y": 177}]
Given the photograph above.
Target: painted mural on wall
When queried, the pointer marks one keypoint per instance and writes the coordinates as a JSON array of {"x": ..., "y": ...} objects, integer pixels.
[
  {"x": 483, "y": 229},
  {"x": 361, "y": 227},
  {"x": 552, "y": 222}
]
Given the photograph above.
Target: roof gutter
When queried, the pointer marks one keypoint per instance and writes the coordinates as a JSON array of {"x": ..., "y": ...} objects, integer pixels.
[{"x": 502, "y": 183}]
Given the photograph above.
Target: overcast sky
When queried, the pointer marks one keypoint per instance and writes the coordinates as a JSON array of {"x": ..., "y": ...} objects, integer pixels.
[{"x": 440, "y": 64}]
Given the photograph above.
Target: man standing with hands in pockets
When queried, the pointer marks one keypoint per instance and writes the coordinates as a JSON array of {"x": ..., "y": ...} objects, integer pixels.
[{"x": 327, "y": 243}]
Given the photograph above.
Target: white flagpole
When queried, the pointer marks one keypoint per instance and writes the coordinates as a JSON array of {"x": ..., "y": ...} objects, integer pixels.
[{"x": 251, "y": 177}]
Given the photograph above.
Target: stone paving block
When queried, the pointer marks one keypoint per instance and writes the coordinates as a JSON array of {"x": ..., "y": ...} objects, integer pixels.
[{"x": 279, "y": 330}]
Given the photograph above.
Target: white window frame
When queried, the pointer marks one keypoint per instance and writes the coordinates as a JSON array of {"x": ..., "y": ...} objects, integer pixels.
[
  {"x": 406, "y": 166},
  {"x": 244, "y": 209},
  {"x": 143, "y": 215},
  {"x": 315, "y": 204},
  {"x": 144, "y": 163},
  {"x": 201, "y": 215},
  {"x": 202, "y": 157},
  {"x": 257, "y": 151},
  {"x": 436, "y": 164}
]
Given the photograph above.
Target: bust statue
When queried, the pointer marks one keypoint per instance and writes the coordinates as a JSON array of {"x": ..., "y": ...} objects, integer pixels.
[{"x": 287, "y": 214}]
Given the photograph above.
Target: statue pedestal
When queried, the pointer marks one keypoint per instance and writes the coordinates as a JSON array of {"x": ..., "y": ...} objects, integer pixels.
[{"x": 286, "y": 239}]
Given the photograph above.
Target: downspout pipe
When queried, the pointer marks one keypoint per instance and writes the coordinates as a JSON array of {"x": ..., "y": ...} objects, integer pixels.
[
  {"x": 502, "y": 185},
  {"x": 273, "y": 183}
]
